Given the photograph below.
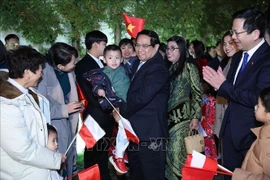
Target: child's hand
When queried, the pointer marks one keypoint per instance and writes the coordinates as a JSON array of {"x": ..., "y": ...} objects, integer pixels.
[
  {"x": 101, "y": 92},
  {"x": 116, "y": 115},
  {"x": 63, "y": 158}
]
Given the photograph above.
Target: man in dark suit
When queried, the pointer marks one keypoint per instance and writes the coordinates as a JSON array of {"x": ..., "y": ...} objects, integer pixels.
[
  {"x": 248, "y": 75},
  {"x": 146, "y": 109},
  {"x": 95, "y": 42}
]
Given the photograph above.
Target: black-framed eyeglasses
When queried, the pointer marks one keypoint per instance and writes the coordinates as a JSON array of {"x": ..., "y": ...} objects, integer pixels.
[
  {"x": 144, "y": 46},
  {"x": 232, "y": 32},
  {"x": 171, "y": 48}
]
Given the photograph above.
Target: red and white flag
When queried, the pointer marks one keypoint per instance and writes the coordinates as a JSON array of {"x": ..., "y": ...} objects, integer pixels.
[
  {"x": 91, "y": 132},
  {"x": 131, "y": 135},
  {"x": 125, "y": 124},
  {"x": 200, "y": 167},
  {"x": 91, "y": 173},
  {"x": 199, "y": 160}
]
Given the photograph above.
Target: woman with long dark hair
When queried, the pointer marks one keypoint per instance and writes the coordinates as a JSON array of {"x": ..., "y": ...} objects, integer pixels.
[
  {"x": 230, "y": 49},
  {"x": 197, "y": 50},
  {"x": 184, "y": 106}
]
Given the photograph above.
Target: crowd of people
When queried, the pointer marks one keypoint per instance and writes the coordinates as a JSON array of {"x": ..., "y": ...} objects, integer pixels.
[{"x": 165, "y": 90}]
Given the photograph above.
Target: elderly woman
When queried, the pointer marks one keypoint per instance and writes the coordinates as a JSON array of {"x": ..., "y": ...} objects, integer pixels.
[
  {"x": 24, "y": 132},
  {"x": 184, "y": 111}
]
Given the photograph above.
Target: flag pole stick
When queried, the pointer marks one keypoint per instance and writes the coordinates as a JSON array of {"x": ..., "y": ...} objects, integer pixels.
[
  {"x": 119, "y": 123},
  {"x": 112, "y": 106},
  {"x": 71, "y": 143},
  {"x": 224, "y": 169}
]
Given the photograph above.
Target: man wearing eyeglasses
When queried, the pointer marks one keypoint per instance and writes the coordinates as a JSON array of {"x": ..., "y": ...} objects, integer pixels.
[
  {"x": 146, "y": 109},
  {"x": 248, "y": 75}
]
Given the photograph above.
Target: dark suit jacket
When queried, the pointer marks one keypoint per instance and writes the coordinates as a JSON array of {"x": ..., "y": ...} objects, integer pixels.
[
  {"x": 243, "y": 95},
  {"x": 147, "y": 99},
  {"x": 103, "y": 118},
  {"x": 215, "y": 63}
]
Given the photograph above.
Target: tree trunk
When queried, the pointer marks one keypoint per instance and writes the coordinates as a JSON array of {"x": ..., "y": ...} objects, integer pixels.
[
  {"x": 117, "y": 34},
  {"x": 76, "y": 43}
]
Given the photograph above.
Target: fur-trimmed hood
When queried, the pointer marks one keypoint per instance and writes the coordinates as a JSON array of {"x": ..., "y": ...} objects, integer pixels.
[
  {"x": 9, "y": 94},
  {"x": 24, "y": 137},
  {"x": 8, "y": 91}
]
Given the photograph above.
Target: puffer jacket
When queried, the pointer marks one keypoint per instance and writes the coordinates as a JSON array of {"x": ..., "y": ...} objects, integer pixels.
[
  {"x": 97, "y": 79},
  {"x": 257, "y": 160},
  {"x": 24, "y": 136}
]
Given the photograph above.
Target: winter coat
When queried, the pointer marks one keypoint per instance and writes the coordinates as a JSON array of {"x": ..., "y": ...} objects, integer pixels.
[
  {"x": 257, "y": 161},
  {"x": 99, "y": 80},
  {"x": 24, "y": 136},
  {"x": 65, "y": 123}
]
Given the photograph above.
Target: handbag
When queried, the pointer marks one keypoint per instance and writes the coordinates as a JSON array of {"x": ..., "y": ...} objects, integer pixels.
[{"x": 194, "y": 142}]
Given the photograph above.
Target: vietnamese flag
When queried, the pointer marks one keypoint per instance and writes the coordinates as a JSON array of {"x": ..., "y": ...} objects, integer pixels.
[
  {"x": 82, "y": 99},
  {"x": 133, "y": 25},
  {"x": 91, "y": 173},
  {"x": 91, "y": 132}
]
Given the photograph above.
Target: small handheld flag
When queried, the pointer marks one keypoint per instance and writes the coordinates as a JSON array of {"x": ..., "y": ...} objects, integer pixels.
[
  {"x": 91, "y": 132},
  {"x": 131, "y": 135},
  {"x": 200, "y": 167}
]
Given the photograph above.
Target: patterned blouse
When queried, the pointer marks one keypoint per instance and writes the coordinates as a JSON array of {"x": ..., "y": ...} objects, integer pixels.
[{"x": 186, "y": 87}]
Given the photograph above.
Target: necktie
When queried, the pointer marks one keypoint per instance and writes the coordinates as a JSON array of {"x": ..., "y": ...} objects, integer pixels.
[
  {"x": 245, "y": 61},
  {"x": 140, "y": 65}
]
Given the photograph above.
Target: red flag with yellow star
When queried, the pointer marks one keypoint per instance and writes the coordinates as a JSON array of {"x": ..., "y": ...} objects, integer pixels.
[
  {"x": 82, "y": 99},
  {"x": 133, "y": 25}
]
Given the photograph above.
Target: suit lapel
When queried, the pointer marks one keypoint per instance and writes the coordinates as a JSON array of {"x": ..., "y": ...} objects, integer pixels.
[
  {"x": 254, "y": 59},
  {"x": 235, "y": 63},
  {"x": 145, "y": 65},
  {"x": 92, "y": 62},
  {"x": 134, "y": 69}
]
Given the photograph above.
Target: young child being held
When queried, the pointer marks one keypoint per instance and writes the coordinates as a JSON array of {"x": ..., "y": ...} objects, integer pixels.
[
  {"x": 257, "y": 161},
  {"x": 52, "y": 144},
  {"x": 113, "y": 82}
]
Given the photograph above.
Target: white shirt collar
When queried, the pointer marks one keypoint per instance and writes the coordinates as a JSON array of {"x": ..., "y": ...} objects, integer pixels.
[
  {"x": 17, "y": 85},
  {"x": 98, "y": 61},
  {"x": 254, "y": 49},
  {"x": 250, "y": 54}
]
